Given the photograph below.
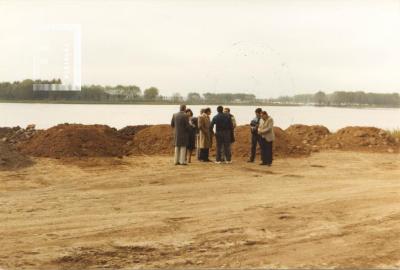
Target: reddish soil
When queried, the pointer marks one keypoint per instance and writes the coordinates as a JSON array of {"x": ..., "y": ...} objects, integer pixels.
[
  {"x": 283, "y": 145},
  {"x": 307, "y": 134},
  {"x": 362, "y": 139},
  {"x": 295, "y": 141},
  {"x": 157, "y": 139},
  {"x": 75, "y": 140},
  {"x": 130, "y": 131},
  {"x": 11, "y": 159}
]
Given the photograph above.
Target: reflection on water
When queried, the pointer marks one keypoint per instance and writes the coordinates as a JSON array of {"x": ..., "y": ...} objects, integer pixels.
[{"x": 47, "y": 115}]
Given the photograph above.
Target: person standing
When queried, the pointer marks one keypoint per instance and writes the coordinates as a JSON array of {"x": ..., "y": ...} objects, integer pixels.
[
  {"x": 180, "y": 122},
  {"x": 255, "y": 137},
  {"x": 204, "y": 135},
  {"x": 228, "y": 112},
  {"x": 192, "y": 135},
  {"x": 267, "y": 136},
  {"x": 198, "y": 136},
  {"x": 223, "y": 127}
]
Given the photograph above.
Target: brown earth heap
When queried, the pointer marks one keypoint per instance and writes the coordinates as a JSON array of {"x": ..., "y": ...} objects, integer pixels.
[
  {"x": 282, "y": 146},
  {"x": 17, "y": 134},
  {"x": 11, "y": 159},
  {"x": 75, "y": 140},
  {"x": 158, "y": 139},
  {"x": 362, "y": 139},
  {"x": 307, "y": 134},
  {"x": 130, "y": 131},
  {"x": 295, "y": 141}
]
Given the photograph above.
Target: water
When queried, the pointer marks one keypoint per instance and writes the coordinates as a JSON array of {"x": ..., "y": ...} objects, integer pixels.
[{"x": 47, "y": 115}]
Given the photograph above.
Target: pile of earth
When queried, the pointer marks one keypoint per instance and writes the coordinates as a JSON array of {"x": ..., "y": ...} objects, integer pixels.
[
  {"x": 153, "y": 140},
  {"x": 310, "y": 135},
  {"x": 76, "y": 140},
  {"x": 362, "y": 139},
  {"x": 158, "y": 139},
  {"x": 17, "y": 134},
  {"x": 130, "y": 131},
  {"x": 283, "y": 146},
  {"x": 11, "y": 159}
]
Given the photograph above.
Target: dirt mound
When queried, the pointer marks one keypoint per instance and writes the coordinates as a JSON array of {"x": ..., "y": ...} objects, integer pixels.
[
  {"x": 362, "y": 138},
  {"x": 307, "y": 134},
  {"x": 17, "y": 134},
  {"x": 130, "y": 131},
  {"x": 6, "y": 132},
  {"x": 12, "y": 159},
  {"x": 75, "y": 140},
  {"x": 157, "y": 139},
  {"x": 282, "y": 146}
]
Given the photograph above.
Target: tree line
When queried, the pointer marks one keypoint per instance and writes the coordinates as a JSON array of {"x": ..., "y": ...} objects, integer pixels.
[
  {"x": 25, "y": 90},
  {"x": 342, "y": 98}
]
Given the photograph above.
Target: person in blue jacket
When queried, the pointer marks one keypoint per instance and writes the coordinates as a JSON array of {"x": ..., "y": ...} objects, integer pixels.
[{"x": 223, "y": 132}]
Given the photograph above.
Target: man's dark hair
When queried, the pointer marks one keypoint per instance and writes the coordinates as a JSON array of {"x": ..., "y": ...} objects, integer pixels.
[
  {"x": 258, "y": 110},
  {"x": 182, "y": 108},
  {"x": 220, "y": 109},
  {"x": 207, "y": 110}
]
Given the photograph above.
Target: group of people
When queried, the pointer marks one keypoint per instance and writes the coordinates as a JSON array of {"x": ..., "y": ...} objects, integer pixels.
[{"x": 197, "y": 133}]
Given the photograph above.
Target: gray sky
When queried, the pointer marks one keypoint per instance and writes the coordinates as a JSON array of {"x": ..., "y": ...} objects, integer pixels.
[{"x": 268, "y": 48}]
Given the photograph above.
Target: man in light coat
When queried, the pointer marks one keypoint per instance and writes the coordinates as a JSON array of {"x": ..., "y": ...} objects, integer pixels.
[
  {"x": 180, "y": 122},
  {"x": 267, "y": 136},
  {"x": 205, "y": 142}
]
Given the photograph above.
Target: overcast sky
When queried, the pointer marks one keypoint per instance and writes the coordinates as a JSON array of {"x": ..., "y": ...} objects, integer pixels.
[{"x": 268, "y": 48}]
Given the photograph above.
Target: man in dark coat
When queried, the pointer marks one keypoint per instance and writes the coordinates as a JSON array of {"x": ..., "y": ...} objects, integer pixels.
[
  {"x": 255, "y": 137},
  {"x": 223, "y": 128},
  {"x": 180, "y": 121}
]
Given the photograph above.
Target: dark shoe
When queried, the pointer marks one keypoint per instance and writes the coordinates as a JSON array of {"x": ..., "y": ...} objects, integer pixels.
[
  {"x": 250, "y": 161},
  {"x": 264, "y": 163},
  {"x": 183, "y": 164}
]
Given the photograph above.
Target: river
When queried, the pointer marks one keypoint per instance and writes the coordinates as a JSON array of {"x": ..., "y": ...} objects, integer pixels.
[{"x": 118, "y": 116}]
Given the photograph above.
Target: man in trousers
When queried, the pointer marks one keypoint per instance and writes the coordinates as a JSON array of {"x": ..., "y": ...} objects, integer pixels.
[
  {"x": 223, "y": 128},
  {"x": 180, "y": 122},
  {"x": 255, "y": 137},
  {"x": 205, "y": 141},
  {"x": 267, "y": 136}
]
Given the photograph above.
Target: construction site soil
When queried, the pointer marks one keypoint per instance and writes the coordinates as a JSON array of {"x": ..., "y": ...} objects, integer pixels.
[
  {"x": 83, "y": 208},
  {"x": 295, "y": 141},
  {"x": 11, "y": 159},
  {"x": 76, "y": 140}
]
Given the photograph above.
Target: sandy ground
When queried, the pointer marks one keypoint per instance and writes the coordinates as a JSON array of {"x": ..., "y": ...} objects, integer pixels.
[{"x": 333, "y": 209}]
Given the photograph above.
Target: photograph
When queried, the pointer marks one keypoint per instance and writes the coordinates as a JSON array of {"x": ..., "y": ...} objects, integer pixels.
[{"x": 199, "y": 134}]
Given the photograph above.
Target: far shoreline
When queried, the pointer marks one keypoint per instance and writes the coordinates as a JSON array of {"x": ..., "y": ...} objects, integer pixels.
[{"x": 85, "y": 102}]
